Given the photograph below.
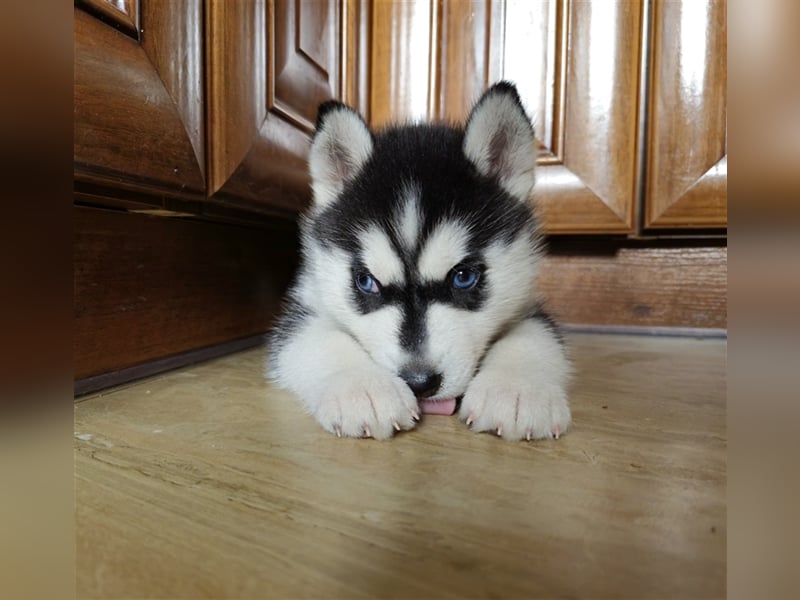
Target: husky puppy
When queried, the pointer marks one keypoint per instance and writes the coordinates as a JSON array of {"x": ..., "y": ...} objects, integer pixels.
[{"x": 418, "y": 280}]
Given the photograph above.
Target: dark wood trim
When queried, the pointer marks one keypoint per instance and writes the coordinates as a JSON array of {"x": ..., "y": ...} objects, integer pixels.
[
  {"x": 95, "y": 383},
  {"x": 99, "y": 196}
]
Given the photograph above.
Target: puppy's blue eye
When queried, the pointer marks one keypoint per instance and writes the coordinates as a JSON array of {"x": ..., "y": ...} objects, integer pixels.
[
  {"x": 465, "y": 278},
  {"x": 367, "y": 283}
]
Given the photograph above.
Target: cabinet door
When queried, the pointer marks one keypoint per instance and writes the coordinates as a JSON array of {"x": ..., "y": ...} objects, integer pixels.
[
  {"x": 270, "y": 64},
  {"x": 576, "y": 65},
  {"x": 688, "y": 164},
  {"x": 138, "y": 95}
]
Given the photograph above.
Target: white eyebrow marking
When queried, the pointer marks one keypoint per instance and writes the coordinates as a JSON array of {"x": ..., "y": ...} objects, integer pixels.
[
  {"x": 443, "y": 250},
  {"x": 380, "y": 257}
]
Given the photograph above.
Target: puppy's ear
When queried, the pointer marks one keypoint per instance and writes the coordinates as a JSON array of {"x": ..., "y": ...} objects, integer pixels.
[
  {"x": 499, "y": 140},
  {"x": 342, "y": 144}
]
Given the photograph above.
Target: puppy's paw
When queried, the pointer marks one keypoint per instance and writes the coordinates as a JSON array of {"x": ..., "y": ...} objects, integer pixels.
[
  {"x": 516, "y": 406},
  {"x": 366, "y": 403}
]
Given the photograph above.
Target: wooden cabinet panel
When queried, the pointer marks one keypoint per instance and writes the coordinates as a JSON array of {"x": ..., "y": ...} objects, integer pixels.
[
  {"x": 402, "y": 71},
  {"x": 138, "y": 112},
  {"x": 356, "y": 39},
  {"x": 578, "y": 66},
  {"x": 687, "y": 141},
  {"x": 270, "y": 64},
  {"x": 306, "y": 59},
  {"x": 431, "y": 59},
  {"x": 465, "y": 63}
]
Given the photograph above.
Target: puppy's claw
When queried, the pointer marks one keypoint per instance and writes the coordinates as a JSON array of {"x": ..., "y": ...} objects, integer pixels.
[
  {"x": 338, "y": 430},
  {"x": 396, "y": 425},
  {"x": 415, "y": 415},
  {"x": 470, "y": 419},
  {"x": 367, "y": 432},
  {"x": 528, "y": 435},
  {"x": 557, "y": 432},
  {"x": 499, "y": 430}
]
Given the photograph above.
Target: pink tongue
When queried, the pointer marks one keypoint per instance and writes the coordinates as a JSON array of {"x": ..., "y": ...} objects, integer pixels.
[{"x": 438, "y": 407}]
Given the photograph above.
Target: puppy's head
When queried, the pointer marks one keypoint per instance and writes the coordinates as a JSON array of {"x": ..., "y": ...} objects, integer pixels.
[{"x": 421, "y": 242}]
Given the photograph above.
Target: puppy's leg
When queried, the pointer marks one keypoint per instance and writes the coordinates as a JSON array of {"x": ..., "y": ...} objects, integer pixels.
[
  {"x": 520, "y": 390},
  {"x": 339, "y": 383}
]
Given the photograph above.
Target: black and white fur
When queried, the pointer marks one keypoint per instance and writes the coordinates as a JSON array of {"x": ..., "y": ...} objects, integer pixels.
[{"x": 379, "y": 314}]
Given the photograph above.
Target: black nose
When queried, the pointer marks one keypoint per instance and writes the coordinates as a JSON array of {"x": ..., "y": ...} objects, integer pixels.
[{"x": 423, "y": 383}]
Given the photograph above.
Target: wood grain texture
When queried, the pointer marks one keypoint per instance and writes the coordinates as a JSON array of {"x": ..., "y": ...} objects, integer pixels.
[
  {"x": 356, "y": 55},
  {"x": 148, "y": 287},
  {"x": 403, "y": 60},
  {"x": 172, "y": 38},
  {"x": 431, "y": 59},
  {"x": 236, "y": 52},
  {"x": 462, "y": 69},
  {"x": 687, "y": 134},
  {"x": 138, "y": 112},
  {"x": 270, "y": 65},
  {"x": 632, "y": 284},
  {"x": 207, "y": 483},
  {"x": 306, "y": 59}
]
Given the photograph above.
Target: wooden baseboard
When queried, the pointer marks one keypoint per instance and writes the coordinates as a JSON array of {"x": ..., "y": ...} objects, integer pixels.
[
  {"x": 645, "y": 284},
  {"x": 149, "y": 287},
  {"x": 95, "y": 383},
  {"x": 683, "y": 332}
]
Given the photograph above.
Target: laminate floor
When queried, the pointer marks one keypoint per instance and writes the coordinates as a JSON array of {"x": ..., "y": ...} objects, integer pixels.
[{"x": 207, "y": 483}]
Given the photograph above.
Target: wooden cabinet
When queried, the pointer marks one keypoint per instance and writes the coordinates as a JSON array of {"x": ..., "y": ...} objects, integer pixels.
[
  {"x": 212, "y": 101},
  {"x": 625, "y": 145}
]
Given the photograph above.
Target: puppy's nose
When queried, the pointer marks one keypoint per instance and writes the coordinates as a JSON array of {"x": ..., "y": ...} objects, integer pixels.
[{"x": 423, "y": 383}]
